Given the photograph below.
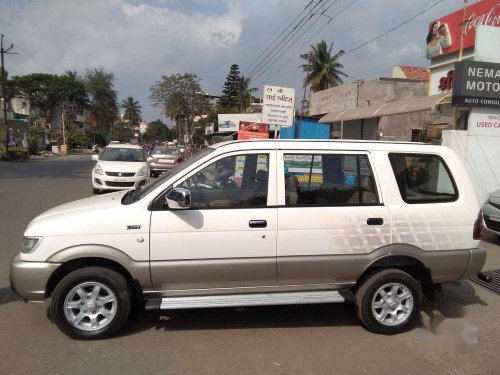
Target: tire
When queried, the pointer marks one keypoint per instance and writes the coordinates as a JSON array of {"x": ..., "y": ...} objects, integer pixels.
[
  {"x": 377, "y": 312},
  {"x": 94, "y": 317},
  {"x": 96, "y": 191}
]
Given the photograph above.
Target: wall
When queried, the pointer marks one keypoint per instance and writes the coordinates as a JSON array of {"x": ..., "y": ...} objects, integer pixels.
[
  {"x": 378, "y": 91},
  {"x": 306, "y": 128},
  {"x": 352, "y": 129}
]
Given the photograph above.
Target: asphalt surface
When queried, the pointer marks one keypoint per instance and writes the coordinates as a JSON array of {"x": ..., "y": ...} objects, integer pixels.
[{"x": 459, "y": 332}]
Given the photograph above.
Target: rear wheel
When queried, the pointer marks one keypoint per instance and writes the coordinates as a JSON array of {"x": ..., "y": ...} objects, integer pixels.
[
  {"x": 389, "y": 301},
  {"x": 91, "y": 303}
]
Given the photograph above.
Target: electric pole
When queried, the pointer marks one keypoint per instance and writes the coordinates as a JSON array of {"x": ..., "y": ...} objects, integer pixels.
[{"x": 3, "y": 76}]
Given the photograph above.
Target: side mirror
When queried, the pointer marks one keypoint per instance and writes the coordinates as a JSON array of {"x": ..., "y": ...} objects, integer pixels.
[
  {"x": 150, "y": 159},
  {"x": 95, "y": 157},
  {"x": 178, "y": 199}
]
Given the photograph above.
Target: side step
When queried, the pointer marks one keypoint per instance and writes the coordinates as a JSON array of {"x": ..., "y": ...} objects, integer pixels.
[{"x": 256, "y": 299}]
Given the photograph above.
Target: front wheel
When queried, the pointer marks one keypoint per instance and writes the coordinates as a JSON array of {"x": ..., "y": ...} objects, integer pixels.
[
  {"x": 91, "y": 303},
  {"x": 389, "y": 301}
]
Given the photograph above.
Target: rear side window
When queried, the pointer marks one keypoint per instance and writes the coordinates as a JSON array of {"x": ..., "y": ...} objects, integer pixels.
[
  {"x": 423, "y": 178},
  {"x": 328, "y": 180}
]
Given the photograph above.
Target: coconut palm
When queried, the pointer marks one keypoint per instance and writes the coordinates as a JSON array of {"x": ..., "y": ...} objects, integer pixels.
[
  {"x": 322, "y": 69},
  {"x": 132, "y": 110}
]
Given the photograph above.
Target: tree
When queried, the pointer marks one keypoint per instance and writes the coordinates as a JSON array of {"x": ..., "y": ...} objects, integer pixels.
[
  {"x": 132, "y": 110},
  {"x": 231, "y": 92},
  {"x": 47, "y": 91},
  {"x": 181, "y": 97},
  {"x": 99, "y": 86},
  {"x": 322, "y": 69},
  {"x": 158, "y": 131},
  {"x": 246, "y": 93}
]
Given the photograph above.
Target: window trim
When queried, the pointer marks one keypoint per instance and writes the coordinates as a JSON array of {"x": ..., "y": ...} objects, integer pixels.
[
  {"x": 425, "y": 201},
  {"x": 158, "y": 202},
  {"x": 280, "y": 165}
]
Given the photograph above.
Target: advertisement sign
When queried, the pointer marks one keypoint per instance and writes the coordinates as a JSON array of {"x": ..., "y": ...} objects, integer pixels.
[
  {"x": 229, "y": 123},
  {"x": 476, "y": 84},
  {"x": 252, "y": 130},
  {"x": 484, "y": 122},
  {"x": 278, "y": 106},
  {"x": 17, "y": 135},
  {"x": 444, "y": 34}
]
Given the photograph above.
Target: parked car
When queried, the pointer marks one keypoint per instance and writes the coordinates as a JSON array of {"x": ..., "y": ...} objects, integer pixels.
[
  {"x": 251, "y": 223},
  {"x": 491, "y": 213},
  {"x": 166, "y": 158},
  {"x": 120, "y": 167}
]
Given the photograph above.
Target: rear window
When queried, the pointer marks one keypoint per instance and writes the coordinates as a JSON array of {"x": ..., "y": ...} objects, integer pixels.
[{"x": 423, "y": 178}]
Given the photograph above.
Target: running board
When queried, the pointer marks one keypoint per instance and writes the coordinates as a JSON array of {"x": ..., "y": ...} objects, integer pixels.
[{"x": 257, "y": 299}]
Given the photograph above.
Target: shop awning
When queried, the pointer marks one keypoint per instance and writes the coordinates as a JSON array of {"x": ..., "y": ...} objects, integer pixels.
[{"x": 388, "y": 109}]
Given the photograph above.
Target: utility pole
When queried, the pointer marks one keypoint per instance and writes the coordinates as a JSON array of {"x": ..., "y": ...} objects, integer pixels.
[
  {"x": 2, "y": 84},
  {"x": 309, "y": 56}
]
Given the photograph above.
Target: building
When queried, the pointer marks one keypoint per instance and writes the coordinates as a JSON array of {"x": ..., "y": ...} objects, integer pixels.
[
  {"x": 386, "y": 108},
  {"x": 418, "y": 73}
]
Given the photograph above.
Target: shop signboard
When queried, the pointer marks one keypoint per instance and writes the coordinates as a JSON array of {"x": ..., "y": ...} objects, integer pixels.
[
  {"x": 444, "y": 33},
  {"x": 476, "y": 84},
  {"x": 253, "y": 130},
  {"x": 278, "y": 106},
  {"x": 484, "y": 122},
  {"x": 230, "y": 122}
]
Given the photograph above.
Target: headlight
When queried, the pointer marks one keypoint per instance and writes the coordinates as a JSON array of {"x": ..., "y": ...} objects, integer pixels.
[
  {"x": 143, "y": 171},
  {"x": 30, "y": 244},
  {"x": 97, "y": 169}
]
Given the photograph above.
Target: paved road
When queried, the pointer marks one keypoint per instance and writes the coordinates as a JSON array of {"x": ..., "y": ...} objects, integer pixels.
[{"x": 317, "y": 339}]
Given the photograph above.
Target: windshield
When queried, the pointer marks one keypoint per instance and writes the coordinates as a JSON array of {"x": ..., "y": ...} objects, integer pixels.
[
  {"x": 122, "y": 154},
  {"x": 166, "y": 151},
  {"x": 135, "y": 195}
]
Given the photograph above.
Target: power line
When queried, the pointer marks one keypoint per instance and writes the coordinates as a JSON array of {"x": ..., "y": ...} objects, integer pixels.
[
  {"x": 277, "y": 52},
  {"x": 311, "y": 38},
  {"x": 28, "y": 56},
  {"x": 393, "y": 29},
  {"x": 270, "y": 55},
  {"x": 279, "y": 36}
]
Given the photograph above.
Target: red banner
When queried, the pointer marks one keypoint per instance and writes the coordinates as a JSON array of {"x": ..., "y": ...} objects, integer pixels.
[
  {"x": 444, "y": 33},
  {"x": 253, "y": 130}
]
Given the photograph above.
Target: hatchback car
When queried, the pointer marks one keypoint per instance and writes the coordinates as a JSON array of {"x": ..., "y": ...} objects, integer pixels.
[
  {"x": 166, "y": 158},
  {"x": 120, "y": 167},
  {"x": 491, "y": 213}
]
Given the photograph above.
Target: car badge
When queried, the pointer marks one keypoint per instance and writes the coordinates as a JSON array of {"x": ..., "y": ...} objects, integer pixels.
[{"x": 120, "y": 174}]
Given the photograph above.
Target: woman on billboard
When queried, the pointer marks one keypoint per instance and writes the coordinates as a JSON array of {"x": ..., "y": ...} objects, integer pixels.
[{"x": 437, "y": 39}]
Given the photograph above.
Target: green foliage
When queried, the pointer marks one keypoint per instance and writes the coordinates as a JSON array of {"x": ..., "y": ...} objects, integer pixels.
[
  {"x": 182, "y": 98},
  {"x": 47, "y": 91},
  {"x": 322, "y": 69},
  {"x": 158, "y": 131},
  {"x": 75, "y": 138},
  {"x": 99, "y": 86},
  {"x": 231, "y": 92},
  {"x": 132, "y": 110},
  {"x": 33, "y": 136}
]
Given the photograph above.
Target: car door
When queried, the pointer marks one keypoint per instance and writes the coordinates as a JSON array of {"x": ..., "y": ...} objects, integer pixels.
[
  {"x": 330, "y": 216},
  {"x": 227, "y": 239}
]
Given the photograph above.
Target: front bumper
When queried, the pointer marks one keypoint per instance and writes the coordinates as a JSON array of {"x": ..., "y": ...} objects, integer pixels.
[
  {"x": 29, "y": 279},
  {"x": 104, "y": 182},
  {"x": 490, "y": 221}
]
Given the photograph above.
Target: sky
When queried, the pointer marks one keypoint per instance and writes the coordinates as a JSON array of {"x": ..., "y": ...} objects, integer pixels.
[{"x": 139, "y": 41}]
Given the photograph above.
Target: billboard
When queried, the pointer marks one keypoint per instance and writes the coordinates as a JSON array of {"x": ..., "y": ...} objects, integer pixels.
[
  {"x": 17, "y": 135},
  {"x": 252, "y": 130},
  {"x": 444, "y": 33},
  {"x": 278, "y": 106},
  {"x": 476, "y": 84},
  {"x": 229, "y": 123}
]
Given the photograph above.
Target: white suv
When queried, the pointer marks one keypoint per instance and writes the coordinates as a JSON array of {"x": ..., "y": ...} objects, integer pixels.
[
  {"x": 255, "y": 223},
  {"x": 120, "y": 167}
]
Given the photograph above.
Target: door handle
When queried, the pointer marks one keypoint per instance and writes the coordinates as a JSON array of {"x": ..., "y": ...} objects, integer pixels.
[
  {"x": 375, "y": 221},
  {"x": 257, "y": 223}
]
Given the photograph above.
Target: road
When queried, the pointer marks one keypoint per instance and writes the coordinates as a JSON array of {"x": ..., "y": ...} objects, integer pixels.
[{"x": 315, "y": 339}]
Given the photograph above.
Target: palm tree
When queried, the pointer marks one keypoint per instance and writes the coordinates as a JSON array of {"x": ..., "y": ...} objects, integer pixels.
[
  {"x": 245, "y": 93},
  {"x": 132, "y": 111},
  {"x": 322, "y": 70}
]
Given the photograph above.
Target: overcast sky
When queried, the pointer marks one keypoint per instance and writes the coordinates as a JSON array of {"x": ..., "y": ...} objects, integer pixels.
[{"x": 139, "y": 41}]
